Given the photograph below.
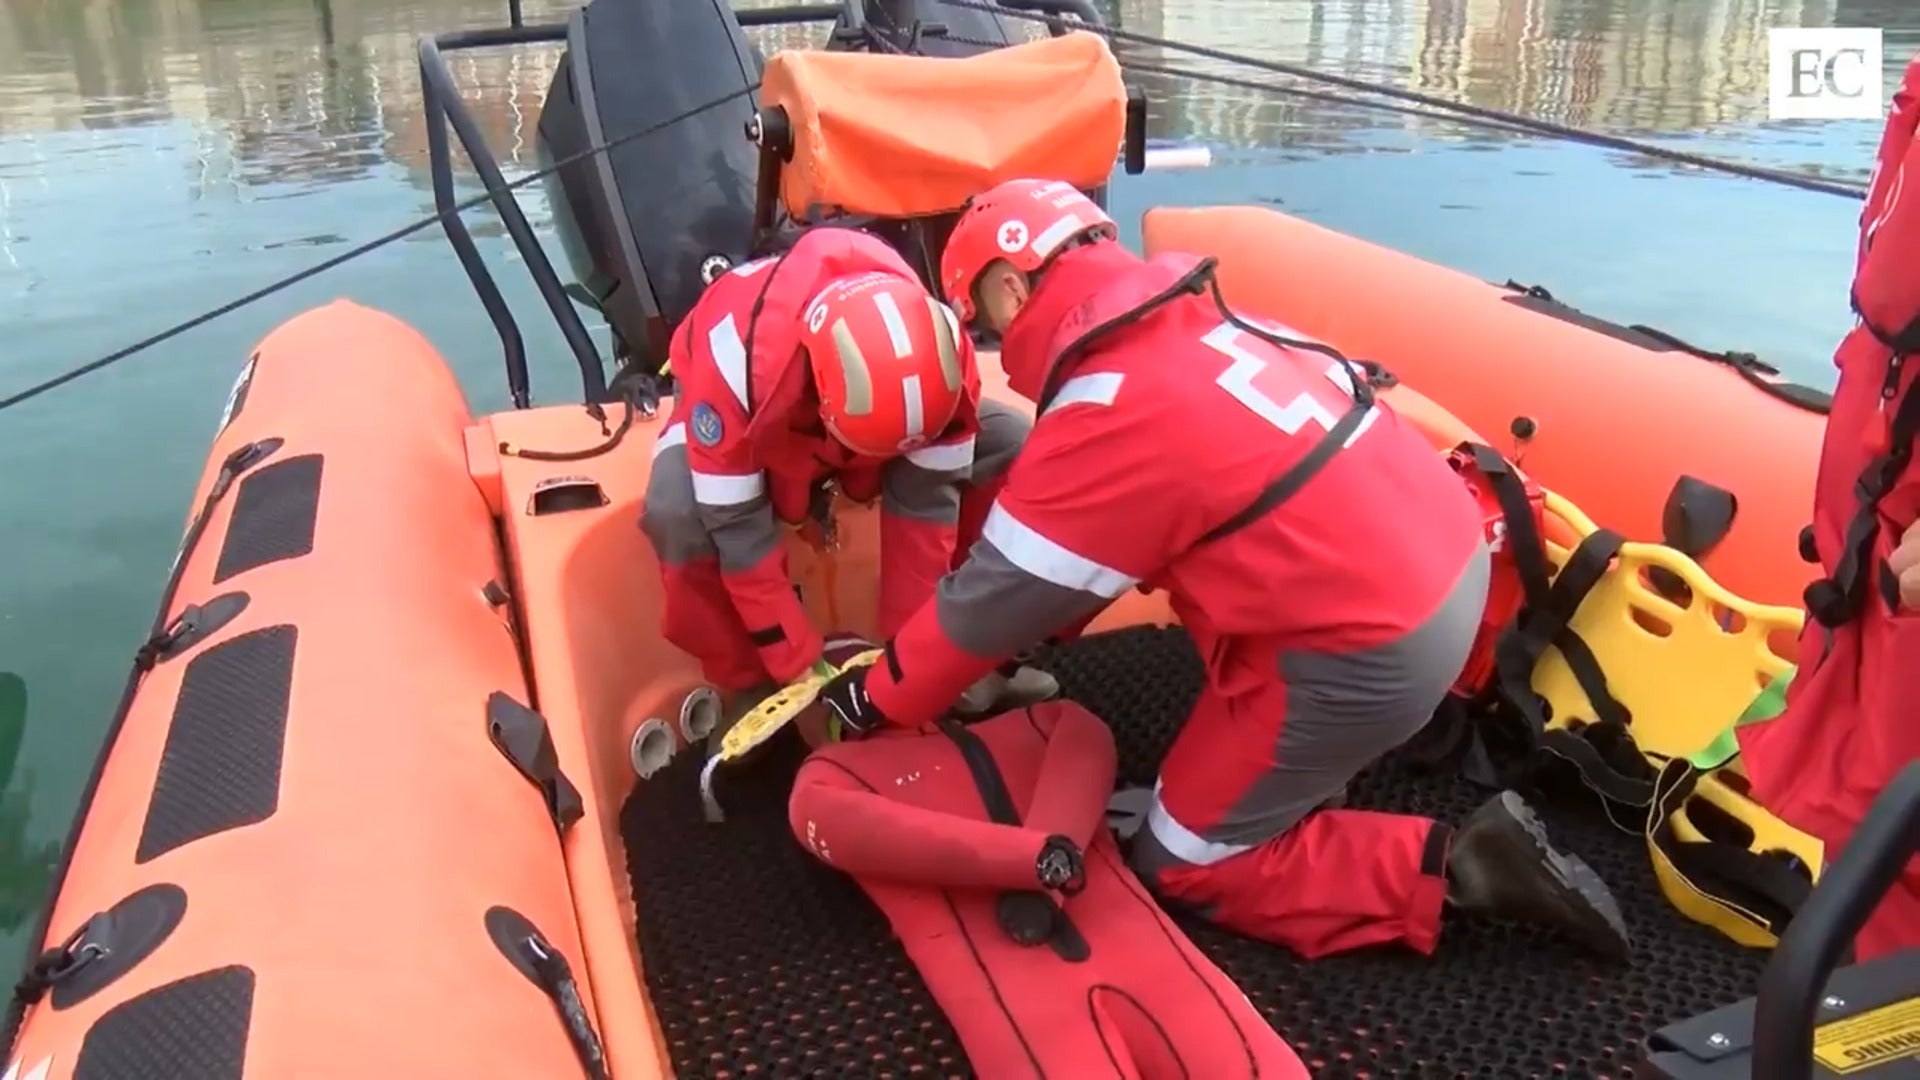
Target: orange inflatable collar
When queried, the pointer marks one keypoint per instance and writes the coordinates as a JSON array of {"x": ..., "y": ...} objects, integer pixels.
[{"x": 909, "y": 136}]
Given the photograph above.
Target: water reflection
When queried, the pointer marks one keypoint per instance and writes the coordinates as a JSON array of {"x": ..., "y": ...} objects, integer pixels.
[
  {"x": 26, "y": 866},
  {"x": 283, "y": 95}
]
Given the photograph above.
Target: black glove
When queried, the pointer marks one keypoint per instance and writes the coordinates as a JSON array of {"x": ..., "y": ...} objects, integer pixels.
[{"x": 853, "y": 713}]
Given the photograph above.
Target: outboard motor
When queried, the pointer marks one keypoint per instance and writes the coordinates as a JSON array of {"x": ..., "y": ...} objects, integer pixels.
[
  {"x": 647, "y": 224},
  {"x": 931, "y": 28}
]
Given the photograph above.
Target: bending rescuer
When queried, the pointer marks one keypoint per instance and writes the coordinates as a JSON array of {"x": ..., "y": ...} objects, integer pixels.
[
  {"x": 1328, "y": 563},
  {"x": 827, "y": 362}
]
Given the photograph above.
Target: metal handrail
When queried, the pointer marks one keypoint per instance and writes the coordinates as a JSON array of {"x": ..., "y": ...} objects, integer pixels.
[{"x": 445, "y": 107}]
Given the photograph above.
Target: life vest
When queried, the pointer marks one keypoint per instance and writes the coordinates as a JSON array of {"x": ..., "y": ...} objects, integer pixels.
[
  {"x": 1505, "y": 496},
  {"x": 1174, "y": 278}
]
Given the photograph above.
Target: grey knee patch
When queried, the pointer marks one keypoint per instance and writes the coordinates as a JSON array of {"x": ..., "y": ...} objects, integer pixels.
[
  {"x": 668, "y": 514},
  {"x": 921, "y": 494},
  {"x": 1002, "y": 432}
]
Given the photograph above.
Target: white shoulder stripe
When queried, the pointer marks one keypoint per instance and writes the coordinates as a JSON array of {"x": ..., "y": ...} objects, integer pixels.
[
  {"x": 1027, "y": 549},
  {"x": 1099, "y": 388},
  {"x": 730, "y": 356}
]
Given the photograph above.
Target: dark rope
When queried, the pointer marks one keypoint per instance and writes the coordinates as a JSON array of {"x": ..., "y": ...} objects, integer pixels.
[
  {"x": 324, "y": 265},
  {"x": 1463, "y": 109},
  {"x": 1324, "y": 96}
]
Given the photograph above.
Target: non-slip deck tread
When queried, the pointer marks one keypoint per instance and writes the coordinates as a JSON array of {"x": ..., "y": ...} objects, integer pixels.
[{"x": 760, "y": 961}]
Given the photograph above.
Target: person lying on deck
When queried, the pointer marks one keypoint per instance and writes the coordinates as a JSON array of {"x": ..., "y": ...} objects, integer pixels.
[
  {"x": 827, "y": 362},
  {"x": 1328, "y": 563}
]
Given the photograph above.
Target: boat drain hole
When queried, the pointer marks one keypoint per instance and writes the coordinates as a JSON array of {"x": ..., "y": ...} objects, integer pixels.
[
  {"x": 700, "y": 714},
  {"x": 652, "y": 748}
]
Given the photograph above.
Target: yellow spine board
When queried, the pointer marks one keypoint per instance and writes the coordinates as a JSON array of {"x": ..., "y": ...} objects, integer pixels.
[
  {"x": 1682, "y": 675},
  {"x": 1684, "y": 667}
]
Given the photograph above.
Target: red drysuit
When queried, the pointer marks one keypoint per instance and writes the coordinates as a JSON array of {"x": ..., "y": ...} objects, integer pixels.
[
  {"x": 1850, "y": 721},
  {"x": 1117, "y": 989},
  {"x": 745, "y": 445},
  {"x": 1331, "y": 626}
]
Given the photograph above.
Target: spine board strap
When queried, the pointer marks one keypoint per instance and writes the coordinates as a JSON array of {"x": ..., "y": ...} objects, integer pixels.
[{"x": 1593, "y": 749}]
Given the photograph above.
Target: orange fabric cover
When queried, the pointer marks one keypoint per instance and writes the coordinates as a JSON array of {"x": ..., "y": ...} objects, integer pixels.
[{"x": 907, "y": 136}]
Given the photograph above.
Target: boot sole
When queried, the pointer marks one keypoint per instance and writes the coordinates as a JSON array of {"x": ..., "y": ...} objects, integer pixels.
[{"x": 1579, "y": 889}]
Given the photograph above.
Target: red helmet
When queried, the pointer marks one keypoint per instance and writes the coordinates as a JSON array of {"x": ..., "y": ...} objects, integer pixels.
[
  {"x": 1025, "y": 222},
  {"x": 889, "y": 361}
]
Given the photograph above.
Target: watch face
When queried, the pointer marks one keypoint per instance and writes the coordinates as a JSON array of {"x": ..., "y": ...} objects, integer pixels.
[{"x": 1056, "y": 867}]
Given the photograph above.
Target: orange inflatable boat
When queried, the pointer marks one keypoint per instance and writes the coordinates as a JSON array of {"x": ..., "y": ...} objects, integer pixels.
[
  {"x": 1610, "y": 416},
  {"x": 406, "y": 780},
  {"x": 311, "y": 835}
]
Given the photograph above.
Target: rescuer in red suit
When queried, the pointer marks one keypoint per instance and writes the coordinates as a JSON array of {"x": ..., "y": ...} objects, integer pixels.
[
  {"x": 1328, "y": 563},
  {"x": 1850, "y": 722},
  {"x": 827, "y": 362}
]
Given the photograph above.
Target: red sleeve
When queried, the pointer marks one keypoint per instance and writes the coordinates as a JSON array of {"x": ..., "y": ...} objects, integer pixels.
[
  {"x": 1076, "y": 777},
  {"x": 1895, "y": 138},
  {"x": 1069, "y": 534},
  {"x": 1886, "y": 286},
  {"x": 730, "y": 489},
  {"x": 850, "y": 826}
]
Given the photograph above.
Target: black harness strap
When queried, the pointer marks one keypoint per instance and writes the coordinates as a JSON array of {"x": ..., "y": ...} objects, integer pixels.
[
  {"x": 1202, "y": 278},
  {"x": 1289, "y": 483},
  {"x": 1837, "y": 600},
  {"x": 1602, "y": 751},
  {"x": 1030, "y": 917}
]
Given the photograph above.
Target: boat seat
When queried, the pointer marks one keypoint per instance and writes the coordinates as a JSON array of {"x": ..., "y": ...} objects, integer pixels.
[{"x": 900, "y": 137}]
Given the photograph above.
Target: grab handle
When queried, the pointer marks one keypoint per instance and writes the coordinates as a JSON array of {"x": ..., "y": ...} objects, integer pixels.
[{"x": 1852, "y": 887}]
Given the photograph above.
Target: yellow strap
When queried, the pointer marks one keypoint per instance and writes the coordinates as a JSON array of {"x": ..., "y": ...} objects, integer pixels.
[{"x": 779, "y": 710}]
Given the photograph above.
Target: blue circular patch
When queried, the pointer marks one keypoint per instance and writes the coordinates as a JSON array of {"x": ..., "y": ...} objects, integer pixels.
[{"x": 706, "y": 425}]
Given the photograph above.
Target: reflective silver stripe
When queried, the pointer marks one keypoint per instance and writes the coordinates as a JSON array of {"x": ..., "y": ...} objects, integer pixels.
[
  {"x": 1096, "y": 389},
  {"x": 916, "y": 405},
  {"x": 730, "y": 356},
  {"x": 951, "y": 457},
  {"x": 675, "y": 435},
  {"x": 1056, "y": 234},
  {"x": 1183, "y": 843},
  {"x": 1048, "y": 561},
  {"x": 853, "y": 370},
  {"x": 721, "y": 489},
  {"x": 946, "y": 336},
  {"x": 896, "y": 326}
]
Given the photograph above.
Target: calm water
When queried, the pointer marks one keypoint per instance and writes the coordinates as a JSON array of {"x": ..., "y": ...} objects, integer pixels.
[{"x": 158, "y": 157}]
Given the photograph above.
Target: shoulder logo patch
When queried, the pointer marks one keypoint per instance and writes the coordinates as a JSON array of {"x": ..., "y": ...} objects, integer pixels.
[{"x": 706, "y": 427}]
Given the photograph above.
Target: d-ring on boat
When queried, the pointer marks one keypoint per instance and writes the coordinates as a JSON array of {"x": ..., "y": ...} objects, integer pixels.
[{"x": 405, "y": 780}]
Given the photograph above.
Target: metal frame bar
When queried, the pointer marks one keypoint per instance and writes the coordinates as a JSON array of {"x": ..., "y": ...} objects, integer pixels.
[{"x": 445, "y": 107}]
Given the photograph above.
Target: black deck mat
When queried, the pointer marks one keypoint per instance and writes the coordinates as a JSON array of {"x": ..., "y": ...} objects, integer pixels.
[{"x": 761, "y": 962}]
